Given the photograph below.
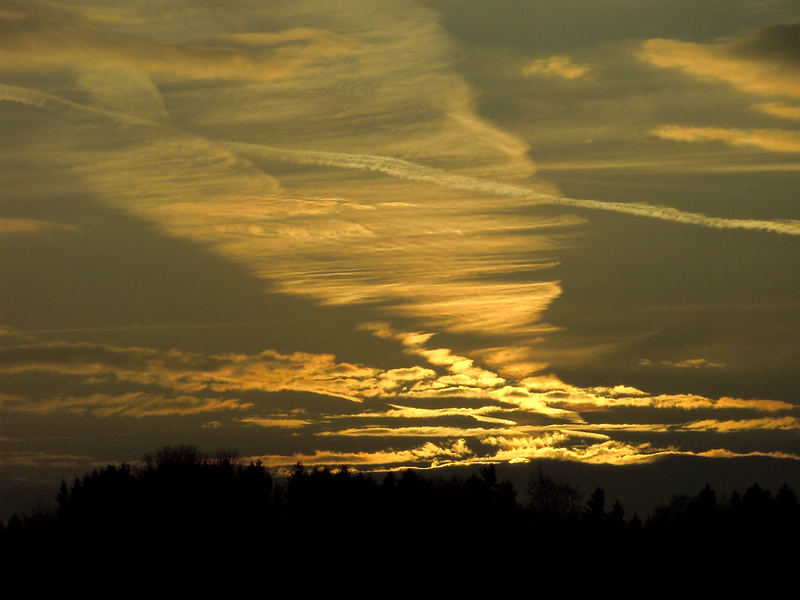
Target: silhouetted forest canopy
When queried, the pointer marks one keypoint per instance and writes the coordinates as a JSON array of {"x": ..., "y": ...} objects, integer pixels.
[{"x": 216, "y": 501}]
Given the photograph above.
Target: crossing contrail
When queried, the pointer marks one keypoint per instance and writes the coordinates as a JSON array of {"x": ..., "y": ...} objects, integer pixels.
[{"x": 403, "y": 169}]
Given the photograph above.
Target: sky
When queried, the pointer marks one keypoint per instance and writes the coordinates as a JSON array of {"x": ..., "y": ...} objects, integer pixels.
[{"x": 398, "y": 233}]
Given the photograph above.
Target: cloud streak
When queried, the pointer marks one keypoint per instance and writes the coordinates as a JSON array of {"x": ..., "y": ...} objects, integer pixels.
[
  {"x": 17, "y": 226},
  {"x": 132, "y": 404},
  {"x": 43, "y": 36},
  {"x": 779, "y": 109},
  {"x": 555, "y": 66},
  {"x": 774, "y": 140},
  {"x": 743, "y": 63}
]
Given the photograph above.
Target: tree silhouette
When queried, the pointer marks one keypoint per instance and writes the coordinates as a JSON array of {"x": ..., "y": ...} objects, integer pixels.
[
  {"x": 552, "y": 501},
  {"x": 184, "y": 498}
]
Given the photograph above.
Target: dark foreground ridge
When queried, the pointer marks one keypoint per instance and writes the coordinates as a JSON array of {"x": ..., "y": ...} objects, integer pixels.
[{"x": 182, "y": 498}]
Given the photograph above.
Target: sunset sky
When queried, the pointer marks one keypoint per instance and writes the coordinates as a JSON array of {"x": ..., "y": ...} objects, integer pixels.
[{"x": 396, "y": 233}]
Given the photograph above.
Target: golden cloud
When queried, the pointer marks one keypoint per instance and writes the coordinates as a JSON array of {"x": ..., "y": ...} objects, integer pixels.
[
  {"x": 131, "y": 404},
  {"x": 758, "y": 74},
  {"x": 774, "y": 140},
  {"x": 281, "y": 423},
  {"x": 421, "y": 431},
  {"x": 778, "y": 109},
  {"x": 552, "y": 446},
  {"x": 32, "y": 458},
  {"x": 32, "y": 226},
  {"x": 397, "y": 411},
  {"x": 555, "y": 66},
  {"x": 46, "y": 37},
  {"x": 725, "y": 453},
  {"x": 689, "y": 363},
  {"x": 732, "y": 426},
  {"x": 432, "y": 454}
]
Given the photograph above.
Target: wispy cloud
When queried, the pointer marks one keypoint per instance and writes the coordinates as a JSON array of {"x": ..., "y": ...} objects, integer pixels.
[
  {"x": 196, "y": 381},
  {"x": 778, "y": 109},
  {"x": 12, "y": 226},
  {"x": 761, "y": 64},
  {"x": 36, "y": 458},
  {"x": 43, "y": 35},
  {"x": 555, "y": 66},
  {"x": 430, "y": 454},
  {"x": 482, "y": 413},
  {"x": 415, "y": 172},
  {"x": 689, "y": 363},
  {"x": 131, "y": 404},
  {"x": 774, "y": 140},
  {"x": 732, "y": 426},
  {"x": 190, "y": 373},
  {"x": 517, "y": 420},
  {"x": 280, "y": 423}
]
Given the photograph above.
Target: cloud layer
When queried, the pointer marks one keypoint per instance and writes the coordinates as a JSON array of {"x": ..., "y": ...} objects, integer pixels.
[
  {"x": 340, "y": 154},
  {"x": 476, "y": 414}
]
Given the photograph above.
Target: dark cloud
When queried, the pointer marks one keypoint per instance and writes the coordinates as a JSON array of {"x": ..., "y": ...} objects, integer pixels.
[{"x": 778, "y": 42}]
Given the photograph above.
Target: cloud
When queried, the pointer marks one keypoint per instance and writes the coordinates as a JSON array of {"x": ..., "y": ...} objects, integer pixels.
[
  {"x": 676, "y": 164},
  {"x": 132, "y": 404},
  {"x": 553, "y": 392},
  {"x": 690, "y": 363},
  {"x": 734, "y": 426},
  {"x": 415, "y": 172},
  {"x": 498, "y": 307},
  {"x": 16, "y": 226},
  {"x": 774, "y": 140},
  {"x": 778, "y": 109},
  {"x": 450, "y": 263},
  {"x": 618, "y": 390},
  {"x": 35, "y": 458},
  {"x": 191, "y": 373},
  {"x": 10, "y": 333},
  {"x": 350, "y": 167},
  {"x": 44, "y": 37},
  {"x": 196, "y": 383},
  {"x": 200, "y": 384},
  {"x": 269, "y": 371},
  {"x": 724, "y": 453},
  {"x": 513, "y": 361},
  {"x": 551, "y": 446},
  {"x": 765, "y": 64},
  {"x": 776, "y": 42},
  {"x": 462, "y": 367},
  {"x": 411, "y": 339},
  {"x": 555, "y": 66},
  {"x": 419, "y": 431},
  {"x": 430, "y": 454},
  {"x": 49, "y": 102},
  {"x": 521, "y": 444},
  {"x": 397, "y": 411},
  {"x": 265, "y": 222},
  {"x": 281, "y": 423}
]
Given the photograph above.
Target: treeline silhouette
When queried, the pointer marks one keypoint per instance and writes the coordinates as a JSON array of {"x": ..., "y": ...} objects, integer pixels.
[{"x": 181, "y": 496}]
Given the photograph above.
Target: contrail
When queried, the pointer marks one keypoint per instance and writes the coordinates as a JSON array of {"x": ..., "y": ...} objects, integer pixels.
[
  {"x": 20, "y": 95},
  {"x": 404, "y": 169}
]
